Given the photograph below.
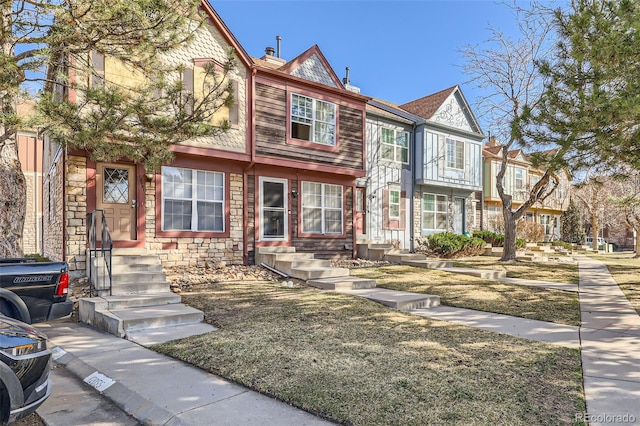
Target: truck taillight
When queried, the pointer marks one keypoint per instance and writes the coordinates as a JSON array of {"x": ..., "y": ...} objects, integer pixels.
[{"x": 63, "y": 285}]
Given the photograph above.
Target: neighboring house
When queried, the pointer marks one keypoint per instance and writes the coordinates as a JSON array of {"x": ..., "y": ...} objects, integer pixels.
[
  {"x": 439, "y": 172},
  {"x": 30, "y": 150},
  {"x": 188, "y": 213},
  {"x": 520, "y": 177},
  {"x": 283, "y": 175},
  {"x": 307, "y": 151}
]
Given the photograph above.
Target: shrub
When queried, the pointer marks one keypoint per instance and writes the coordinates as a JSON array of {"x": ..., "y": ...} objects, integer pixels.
[
  {"x": 496, "y": 240},
  {"x": 520, "y": 243},
  {"x": 448, "y": 244},
  {"x": 38, "y": 257},
  {"x": 531, "y": 232}
]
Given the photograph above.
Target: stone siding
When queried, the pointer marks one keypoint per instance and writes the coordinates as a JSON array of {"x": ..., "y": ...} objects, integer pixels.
[
  {"x": 76, "y": 214},
  {"x": 52, "y": 246}
]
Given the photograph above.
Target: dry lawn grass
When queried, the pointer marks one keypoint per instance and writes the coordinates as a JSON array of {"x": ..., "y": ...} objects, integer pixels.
[
  {"x": 464, "y": 291},
  {"x": 541, "y": 271},
  {"x": 356, "y": 362},
  {"x": 625, "y": 269}
]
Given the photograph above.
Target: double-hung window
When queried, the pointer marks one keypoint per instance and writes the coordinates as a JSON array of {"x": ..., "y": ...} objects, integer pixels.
[
  {"x": 313, "y": 120},
  {"x": 454, "y": 154},
  {"x": 434, "y": 212},
  {"x": 321, "y": 208},
  {"x": 192, "y": 200},
  {"x": 394, "y": 204},
  {"x": 394, "y": 145}
]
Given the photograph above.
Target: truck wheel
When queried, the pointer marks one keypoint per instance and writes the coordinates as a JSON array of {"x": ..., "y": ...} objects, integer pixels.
[
  {"x": 4, "y": 405},
  {"x": 13, "y": 310}
]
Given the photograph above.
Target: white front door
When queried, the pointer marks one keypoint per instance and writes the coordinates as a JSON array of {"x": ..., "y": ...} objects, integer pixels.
[
  {"x": 458, "y": 215},
  {"x": 274, "y": 215}
]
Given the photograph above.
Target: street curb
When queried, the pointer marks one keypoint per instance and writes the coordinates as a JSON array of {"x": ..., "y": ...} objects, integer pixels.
[{"x": 138, "y": 407}]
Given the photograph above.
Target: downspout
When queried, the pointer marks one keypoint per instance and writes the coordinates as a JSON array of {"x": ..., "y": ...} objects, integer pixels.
[
  {"x": 64, "y": 204},
  {"x": 245, "y": 178},
  {"x": 413, "y": 190}
]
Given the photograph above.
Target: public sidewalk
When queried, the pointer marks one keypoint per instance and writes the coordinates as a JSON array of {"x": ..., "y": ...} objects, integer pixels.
[
  {"x": 156, "y": 389},
  {"x": 610, "y": 342}
]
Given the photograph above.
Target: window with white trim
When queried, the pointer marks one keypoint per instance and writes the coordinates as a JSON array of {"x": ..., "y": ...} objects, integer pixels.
[
  {"x": 394, "y": 145},
  {"x": 394, "y": 204},
  {"x": 321, "y": 208},
  {"x": 434, "y": 212},
  {"x": 313, "y": 120},
  {"x": 454, "y": 154},
  {"x": 192, "y": 200}
]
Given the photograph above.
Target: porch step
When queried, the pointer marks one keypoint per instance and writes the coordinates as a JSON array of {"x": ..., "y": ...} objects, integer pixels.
[
  {"x": 141, "y": 300},
  {"x": 138, "y": 277},
  {"x": 402, "y": 257},
  {"x": 400, "y": 300},
  {"x": 311, "y": 272},
  {"x": 533, "y": 258},
  {"x": 139, "y": 287},
  {"x": 342, "y": 283},
  {"x": 429, "y": 263},
  {"x": 288, "y": 266},
  {"x": 157, "y": 316},
  {"x": 480, "y": 273}
]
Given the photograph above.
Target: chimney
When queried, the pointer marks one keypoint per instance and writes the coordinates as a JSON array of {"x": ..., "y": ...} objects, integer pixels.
[
  {"x": 278, "y": 40},
  {"x": 270, "y": 54},
  {"x": 269, "y": 51},
  {"x": 493, "y": 142},
  {"x": 347, "y": 82}
]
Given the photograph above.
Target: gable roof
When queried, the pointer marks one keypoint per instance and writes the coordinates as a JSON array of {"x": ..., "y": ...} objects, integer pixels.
[
  {"x": 313, "y": 66},
  {"x": 426, "y": 106},
  {"x": 226, "y": 33}
]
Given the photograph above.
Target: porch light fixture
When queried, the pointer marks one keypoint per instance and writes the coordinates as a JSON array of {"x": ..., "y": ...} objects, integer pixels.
[
  {"x": 294, "y": 193},
  {"x": 149, "y": 176}
]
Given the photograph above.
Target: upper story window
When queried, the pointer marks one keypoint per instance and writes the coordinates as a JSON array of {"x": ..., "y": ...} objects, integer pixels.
[
  {"x": 454, "y": 154},
  {"x": 313, "y": 120},
  {"x": 519, "y": 179},
  {"x": 395, "y": 145}
]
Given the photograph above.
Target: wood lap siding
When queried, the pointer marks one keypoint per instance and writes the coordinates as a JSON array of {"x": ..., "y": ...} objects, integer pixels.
[{"x": 271, "y": 132}]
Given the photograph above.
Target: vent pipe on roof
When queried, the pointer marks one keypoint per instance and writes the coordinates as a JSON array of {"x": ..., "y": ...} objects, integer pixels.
[
  {"x": 269, "y": 51},
  {"x": 278, "y": 39},
  {"x": 346, "y": 80}
]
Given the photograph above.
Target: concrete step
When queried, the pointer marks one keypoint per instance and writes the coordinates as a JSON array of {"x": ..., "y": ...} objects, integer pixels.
[
  {"x": 402, "y": 257},
  {"x": 429, "y": 263},
  {"x": 533, "y": 258},
  {"x": 123, "y": 288},
  {"x": 133, "y": 251},
  {"x": 136, "y": 277},
  {"x": 288, "y": 266},
  {"x": 146, "y": 317},
  {"x": 293, "y": 256},
  {"x": 154, "y": 336},
  {"x": 342, "y": 283},
  {"x": 480, "y": 273},
  {"x": 276, "y": 249},
  {"x": 140, "y": 300},
  {"x": 311, "y": 273},
  {"x": 376, "y": 253},
  {"x": 401, "y": 300}
]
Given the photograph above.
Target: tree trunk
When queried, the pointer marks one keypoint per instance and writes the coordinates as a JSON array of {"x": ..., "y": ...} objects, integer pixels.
[
  {"x": 509, "y": 248},
  {"x": 637, "y": 247},
  {"x": 13, "y": 197},
  {"x": 594, "y": 231}
]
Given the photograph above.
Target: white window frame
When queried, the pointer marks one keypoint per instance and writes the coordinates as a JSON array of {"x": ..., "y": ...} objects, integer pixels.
[
  {"x": 324, "y": 208},
  {"x": 395, "y": 146},
  {"x": 435, "y": 212},
  {"x": 394, "y": 205},
  {"x": 313, "y": 121},
  {"x": 454, "y": 159},
  {"x": 519, "y": 181},
  {"x": 194, "y": 200}
]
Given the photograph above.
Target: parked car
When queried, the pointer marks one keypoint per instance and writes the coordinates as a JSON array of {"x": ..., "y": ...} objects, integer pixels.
[
  {"x": 24, "y": 369},
  {"x": 601, "y": 241},
  {"x": 33, "y": 291}
]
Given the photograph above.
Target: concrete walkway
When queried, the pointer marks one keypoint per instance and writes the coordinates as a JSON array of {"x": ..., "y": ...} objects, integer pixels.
[
  {"x": 156, "y": 389},
  {"x": 610, "y": 341}
]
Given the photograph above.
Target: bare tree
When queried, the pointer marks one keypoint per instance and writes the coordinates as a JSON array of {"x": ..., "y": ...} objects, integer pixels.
[
  {"x": 626, "y": 197},
  {"x": 506, "y": 70}
]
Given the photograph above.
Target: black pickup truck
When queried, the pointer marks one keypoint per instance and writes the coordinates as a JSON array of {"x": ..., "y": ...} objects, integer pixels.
[{"x": 33, "y": 291}]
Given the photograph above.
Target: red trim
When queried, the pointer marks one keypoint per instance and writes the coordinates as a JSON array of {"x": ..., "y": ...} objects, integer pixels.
[
  {"x": 321, "y": 168},
  {"x": 210, "y": 152},
  {"x": 193, "y": 234}
]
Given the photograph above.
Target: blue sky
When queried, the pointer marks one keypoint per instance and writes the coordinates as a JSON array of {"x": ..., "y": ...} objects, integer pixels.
[{"x": 397, "y": 50}]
